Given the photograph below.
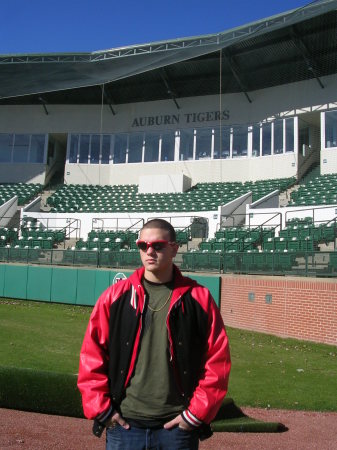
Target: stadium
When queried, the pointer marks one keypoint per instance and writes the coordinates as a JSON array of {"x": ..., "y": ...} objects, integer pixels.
[{"x": 232, "y": 137}]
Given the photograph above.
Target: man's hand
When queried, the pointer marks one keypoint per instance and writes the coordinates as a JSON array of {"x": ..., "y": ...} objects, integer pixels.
[
  {"x": 117, "y": 418},
  {"x": 178, "y": 421}
]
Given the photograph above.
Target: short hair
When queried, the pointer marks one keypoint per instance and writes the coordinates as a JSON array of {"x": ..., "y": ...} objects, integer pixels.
[{"x": 162, "y": 225}]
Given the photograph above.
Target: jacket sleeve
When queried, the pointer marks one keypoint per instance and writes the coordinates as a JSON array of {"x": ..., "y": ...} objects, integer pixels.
[
  {"x": 213, "y": 384},
  {"x": 93, "y": 367}
]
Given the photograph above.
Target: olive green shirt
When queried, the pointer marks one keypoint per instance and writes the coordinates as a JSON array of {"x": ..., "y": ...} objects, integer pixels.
[{"x": 152, "y": 393}]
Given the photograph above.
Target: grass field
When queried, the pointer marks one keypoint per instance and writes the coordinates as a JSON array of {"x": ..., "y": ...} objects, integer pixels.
[{"x": 267, "y": 372}]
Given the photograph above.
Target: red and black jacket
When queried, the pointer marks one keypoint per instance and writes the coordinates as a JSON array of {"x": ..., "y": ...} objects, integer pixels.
[{"x": 199, "y": 350}]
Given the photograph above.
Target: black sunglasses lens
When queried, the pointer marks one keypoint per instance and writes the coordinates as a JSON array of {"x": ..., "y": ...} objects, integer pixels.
[
  {"x": 142, "y": 246},
  {"x": 158, "y": 246}
]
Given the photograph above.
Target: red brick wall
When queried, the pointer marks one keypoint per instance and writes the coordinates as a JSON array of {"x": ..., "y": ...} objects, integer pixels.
[{"x": 300, "y": 308}]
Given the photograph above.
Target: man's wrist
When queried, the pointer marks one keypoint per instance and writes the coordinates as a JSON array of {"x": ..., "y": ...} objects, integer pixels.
[{"x": 191, "y": 419}]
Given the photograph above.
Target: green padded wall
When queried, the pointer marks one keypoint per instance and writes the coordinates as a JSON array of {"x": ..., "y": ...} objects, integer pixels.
[
  {"x": 38, "y": 283},
  {"x": 102, "y": 282},
  {"x": 15, "y": 283},
  {"x": 64, "y": 285},
  {"x": 212, "y": 283},
  {"x": 71, "y": 285},
  {"x": 2, "y": 280},
  {"x": 86, "y": 280}
]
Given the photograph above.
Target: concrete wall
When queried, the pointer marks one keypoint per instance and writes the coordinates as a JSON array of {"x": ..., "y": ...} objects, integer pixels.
[
  {"x": 7, "y": 211},
  {"x": 283, "y": 306},
  {"x": 85, "y": 222},
  {"x": 22, "y": 173},
  {"x": 282, "y": 101},
  {"x": 277, "y": 217},
  {"x": 239, "y": 169},
  {"x": 289, "y": 99}
]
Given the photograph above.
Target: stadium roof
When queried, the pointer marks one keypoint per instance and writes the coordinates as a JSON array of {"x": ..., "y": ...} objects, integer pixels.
[{"x": 298, "y": 45}]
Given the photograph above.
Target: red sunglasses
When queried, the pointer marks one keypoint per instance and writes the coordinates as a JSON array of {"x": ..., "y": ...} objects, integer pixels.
[{"x": 156, "y": 245}]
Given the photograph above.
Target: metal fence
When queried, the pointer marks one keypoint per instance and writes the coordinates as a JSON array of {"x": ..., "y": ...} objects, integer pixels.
[{"x": 313, "y": 264}]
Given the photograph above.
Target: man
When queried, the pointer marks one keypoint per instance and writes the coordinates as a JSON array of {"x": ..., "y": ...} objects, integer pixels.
[{"x": 155, "y": 360}]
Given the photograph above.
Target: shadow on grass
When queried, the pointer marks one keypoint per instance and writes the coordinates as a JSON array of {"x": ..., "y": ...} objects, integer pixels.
[
  {"x": 56, "y": 393},
  {"x": 231, "y": 418}
]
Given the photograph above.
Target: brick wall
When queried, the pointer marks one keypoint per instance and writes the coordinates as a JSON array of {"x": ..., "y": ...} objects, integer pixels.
[{"x": 284, "y": 306}]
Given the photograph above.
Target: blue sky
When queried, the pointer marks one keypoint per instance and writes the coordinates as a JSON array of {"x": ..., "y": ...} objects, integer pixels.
[{"x": 46, "y": 26}]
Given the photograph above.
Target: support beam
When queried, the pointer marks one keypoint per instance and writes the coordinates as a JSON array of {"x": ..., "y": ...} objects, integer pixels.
[
  {"x": 172, "y": 94},
  {"x": 43, "y": 103},
  {"x": 306, "y": 55},
  {"x": 236, "y": 72}
]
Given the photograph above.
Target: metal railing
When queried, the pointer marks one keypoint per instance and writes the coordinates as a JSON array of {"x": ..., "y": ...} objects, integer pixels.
[{"x": 305, "y": 264}]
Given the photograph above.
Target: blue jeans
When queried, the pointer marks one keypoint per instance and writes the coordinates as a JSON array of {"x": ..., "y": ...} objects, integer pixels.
[{"x": 117, "y": 438}]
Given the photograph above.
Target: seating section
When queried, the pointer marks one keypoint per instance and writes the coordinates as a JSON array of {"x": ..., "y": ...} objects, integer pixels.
[
  {"x": 259, "y": 249},
  {"x": 25, "y": 192},
  {"x": 8, "y": 236},
  {"x": 33, "y": 235},
  {"x": 321, "y": 190},
  {"x": 125, "y": 198}
]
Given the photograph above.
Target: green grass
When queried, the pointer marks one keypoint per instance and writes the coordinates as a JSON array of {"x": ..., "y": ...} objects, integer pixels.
[{"x": 267, "y": 371}]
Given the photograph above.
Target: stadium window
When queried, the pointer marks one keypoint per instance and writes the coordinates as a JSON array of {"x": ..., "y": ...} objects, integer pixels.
[
  {"x": 331, "y": 129},
  {"x": 278, "y": 136},
  {"x": 167, "y": 146},
  {"x": 289, "y": 144},
  {"x": 6, "y": 145},
  {"x": 84, "y": 148},
  {"x": 266, "y": 139},
  {"x": 37, "y": 145},
  {"x": 151, "y": 151},
  {"x": 106, "y": 144},
  {"x": 135, "y": 148},
  {"x": 186, "y": 144},
  {"x": 120, "y": 146},
  {"x": 73, "y": 148},
  {"x": 240, "y": 141},
  {"x": 223, "y": 150},
  {"x": 21, "y": 148},
  {"x": 203, "y": 143},
  {"x": 256, "y": 140},
  {"x": 95, "y": 148}
]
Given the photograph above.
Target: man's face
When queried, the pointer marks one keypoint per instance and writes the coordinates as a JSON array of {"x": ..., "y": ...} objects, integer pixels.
[{"x": 159, "y": 263}]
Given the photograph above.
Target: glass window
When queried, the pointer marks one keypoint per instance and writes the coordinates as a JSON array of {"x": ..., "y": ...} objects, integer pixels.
[
  {"x": 331, "y": 129},
  {"x": 135, "y": 147},
  {"x": 21, "y": 147},
  {"x": 106, "y": 140},
  {"x": 151, "y": 147},
  {"x": 256, "y": 140},
  {"x": 167, "y": 146},
  {"x": 120, "y": 146},
  {"x": 223, "y": 150},
  {"x": 37, "y": 143},
  {"x": 240, "y": 141},
  {"x": 266, "y": 139},
  {"x": 84, "y": 148},
  {"x": 6, "y": 144},
  {"x": 186, "y": 145},
  {"x": 73, "y": 148},
  {"x": 203, "y": 143},
  {"x": 289, "y": 135},
  {"x": 278, "y": 136},
  {"x": 94, "y": 148}
]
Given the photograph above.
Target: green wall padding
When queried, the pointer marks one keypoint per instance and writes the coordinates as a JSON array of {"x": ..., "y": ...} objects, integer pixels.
[
  {"x": 38, "y": 283},
  {"x": 64, "y": 285},
  {"x": 15, "y": 283},
  {"x": 102, "y": 282},
  {"x": 86, "y": 280},
  {"x": 212, "y": 283},
  {"x": 2, "y": 280},
  {"x": 72, "y": 285}
]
